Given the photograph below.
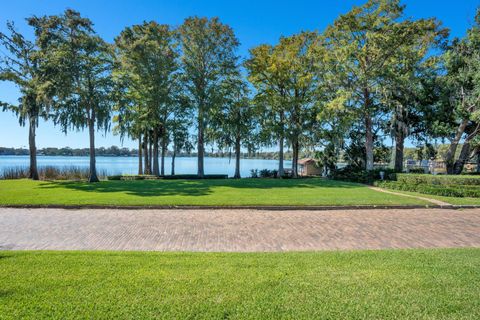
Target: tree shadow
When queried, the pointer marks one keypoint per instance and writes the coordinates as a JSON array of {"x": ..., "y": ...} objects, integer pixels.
[
  {"x": 137, "y": 188},
  {"x": 149, "y": 188},
  {"x": 5, "y": 293}
]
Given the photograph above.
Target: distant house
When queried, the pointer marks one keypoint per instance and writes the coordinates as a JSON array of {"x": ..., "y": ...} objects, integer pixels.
[{"x": 308, "y": 167}]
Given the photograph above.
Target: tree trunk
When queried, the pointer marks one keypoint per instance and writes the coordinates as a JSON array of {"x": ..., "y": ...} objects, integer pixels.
[
  {"x": 281, "y": 171},
  {"x": 200, "y": 144},
  {"x": 155, "y": 153},
  {"x": 295, "y": 147},
  {"x": 173, "y": 160},
  {"x": 164, "y": 151},
  {"x": 478, "y": 160},
  {"x": 150, "y": 154},
  {"x": 450, "y": 155},
  {"x": 91, "y": 131},
  {"x": 33, "y": 171},
  {"x": 145, "y": 152},
  {"x": 237, "y": 158},
  {"x": 368, "y": 132},
  {"x": 399, "y": 148},
  {"x": 140, "y": 157},
  {"x": 368, "y": 143},
  {"x": 462, "y": 159}
]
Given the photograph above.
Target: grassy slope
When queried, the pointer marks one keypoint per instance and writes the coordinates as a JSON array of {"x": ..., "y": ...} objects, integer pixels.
[
  {"x": 411, "y": 284},
  {"x": 196, "y": 192}
]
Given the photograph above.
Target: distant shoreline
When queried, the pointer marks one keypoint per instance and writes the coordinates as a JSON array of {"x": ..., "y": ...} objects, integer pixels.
[
  {"x": 124, "y": 152},
  {"x": 134, "y": 156}
]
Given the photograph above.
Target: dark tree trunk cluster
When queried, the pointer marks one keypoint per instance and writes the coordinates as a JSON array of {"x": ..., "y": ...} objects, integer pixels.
[
  {"x": 463, "y": 158},
  {"x": 450, "y": 155},
  {"x": 152, "y": 150}
]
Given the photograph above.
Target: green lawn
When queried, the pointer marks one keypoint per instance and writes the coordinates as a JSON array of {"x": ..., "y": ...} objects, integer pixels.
[
  {"x": 400, "y": 284},
  {"x": 196, "y": 192},
  {"x": 451, "y": 200}
]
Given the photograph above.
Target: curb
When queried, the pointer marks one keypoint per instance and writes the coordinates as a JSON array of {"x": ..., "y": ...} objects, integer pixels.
[{"x": 270, "y": 208}]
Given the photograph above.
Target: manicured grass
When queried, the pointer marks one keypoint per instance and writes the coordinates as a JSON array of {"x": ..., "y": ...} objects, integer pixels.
[
  {"x": 451, "y": 200},
  {"x": 196, "y": 192},
  {"x": 403, "y": 284}
]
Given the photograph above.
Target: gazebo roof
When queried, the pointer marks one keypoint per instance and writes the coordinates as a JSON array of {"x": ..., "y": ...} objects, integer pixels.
[{"x": 306, "y": 160}]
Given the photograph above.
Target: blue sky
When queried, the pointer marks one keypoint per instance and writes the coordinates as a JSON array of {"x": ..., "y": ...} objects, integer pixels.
[{"x": 254, "y": 22}]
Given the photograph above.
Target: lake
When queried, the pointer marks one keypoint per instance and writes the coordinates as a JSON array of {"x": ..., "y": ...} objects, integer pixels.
[{"x": 129, "y": 165}]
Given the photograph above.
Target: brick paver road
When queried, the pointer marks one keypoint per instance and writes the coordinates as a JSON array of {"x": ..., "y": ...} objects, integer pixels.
[{"x": 236, "y": 230}]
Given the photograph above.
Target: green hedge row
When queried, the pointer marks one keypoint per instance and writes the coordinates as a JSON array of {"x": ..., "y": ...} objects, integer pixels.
[
  {"x": 460, "y": 191},
  {"x": 362, "y": 176},
  {"x": 428, "y": 179},
  {"x": 194, "y": 176},
  {"x": 133, "y": 177}
]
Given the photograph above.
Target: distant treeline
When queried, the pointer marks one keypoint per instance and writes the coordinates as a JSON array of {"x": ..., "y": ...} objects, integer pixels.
[{"x": 115, "y": 151}]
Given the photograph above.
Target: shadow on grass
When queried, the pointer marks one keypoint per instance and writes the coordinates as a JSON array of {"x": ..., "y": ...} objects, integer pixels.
[
  {"x": 3, "y": 254},
  {"x": 5, "y": 293},
  {"x": 149, "y": 188}
]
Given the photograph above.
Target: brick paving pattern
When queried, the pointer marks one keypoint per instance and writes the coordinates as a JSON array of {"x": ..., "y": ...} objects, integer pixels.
[{"x": 236, "y": 230}]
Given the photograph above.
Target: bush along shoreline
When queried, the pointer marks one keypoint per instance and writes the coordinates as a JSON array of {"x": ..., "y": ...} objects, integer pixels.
[{"x": 51, "y": 173}]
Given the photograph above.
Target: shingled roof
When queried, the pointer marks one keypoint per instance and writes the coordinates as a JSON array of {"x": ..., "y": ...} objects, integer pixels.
[{"x": 306, "y": 160}]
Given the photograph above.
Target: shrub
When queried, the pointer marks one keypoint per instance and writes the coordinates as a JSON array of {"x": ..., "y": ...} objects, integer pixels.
[
  {"x": 174, "y": 177},
  {"x": 355, "y": 174},
  {"x": 417, "y": 170},
  {"x": 460, "y": 191},
  {"x": 428, "y": 179},
  {"x": 471, "y": 173},
  {"x": 118, "y": 177},
  {"x": 265, "y": 173},
  {"x": 127, "y": 177},
  {"x": 194, "y": 176}
]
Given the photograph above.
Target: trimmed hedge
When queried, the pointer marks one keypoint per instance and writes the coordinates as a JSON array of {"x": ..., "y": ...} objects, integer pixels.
[
  {"x": 428, "y": 179},
  {"x": 195, "y": 177},
  {"x": 133, "y": 177},
  {"x": 416, "y": 170},
  {"x": 460, "y": 191},
  {"x": 174, "y": 177},
  {"x": 362, "y": 176}
]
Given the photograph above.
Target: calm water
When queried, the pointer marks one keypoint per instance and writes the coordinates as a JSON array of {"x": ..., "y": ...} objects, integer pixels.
[{"x": 129, "y": 165}]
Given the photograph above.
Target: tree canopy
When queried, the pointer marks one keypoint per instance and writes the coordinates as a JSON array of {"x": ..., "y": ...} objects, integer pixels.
[{"x": 373, "y": 76}]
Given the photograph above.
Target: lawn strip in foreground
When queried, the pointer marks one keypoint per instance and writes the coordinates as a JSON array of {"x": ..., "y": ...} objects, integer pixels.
[{"x": 401, "y": 284}]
